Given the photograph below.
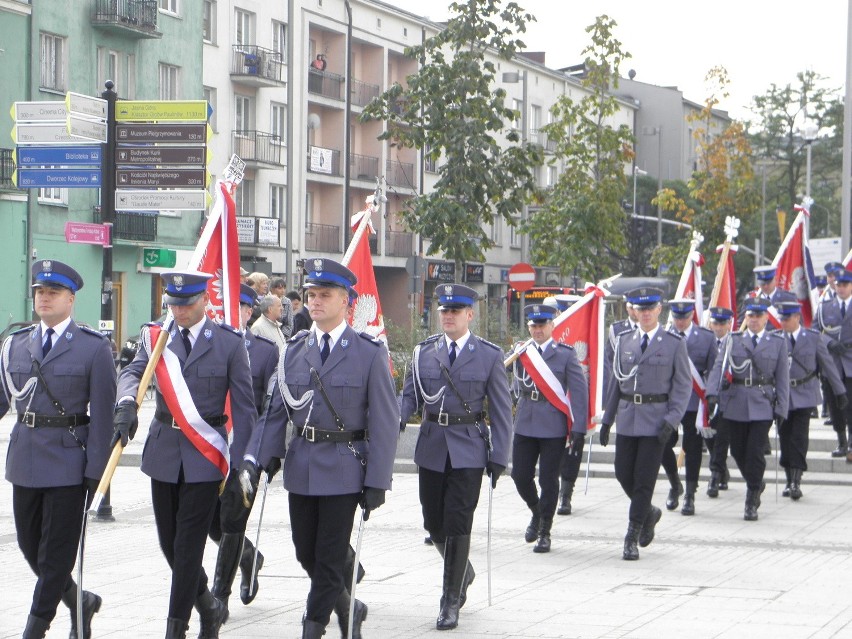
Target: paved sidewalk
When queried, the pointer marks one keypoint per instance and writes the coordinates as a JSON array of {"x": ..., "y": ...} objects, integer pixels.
[{"x": 788, "y": 575}]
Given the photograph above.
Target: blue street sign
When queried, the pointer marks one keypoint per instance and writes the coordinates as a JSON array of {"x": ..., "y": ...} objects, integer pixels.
[
  {"x": 58, "y": 156},
  {"x": 57, "y": 178}
]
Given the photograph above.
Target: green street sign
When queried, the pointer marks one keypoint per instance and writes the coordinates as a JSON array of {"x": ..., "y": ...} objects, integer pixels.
[{"x": 165, "y": 258}]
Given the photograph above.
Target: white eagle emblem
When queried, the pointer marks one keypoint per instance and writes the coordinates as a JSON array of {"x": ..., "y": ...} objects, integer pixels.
[
  {"x": 318, "y": 265},
  {"x": 448, "y": 289},
  {"x": 178, "y": 281},
  {"x": 536, "y": 308},
  {"x": 47, "y": 266},
  {"x": 365, "y": 314},
  {"x": 582, "y": 350}
]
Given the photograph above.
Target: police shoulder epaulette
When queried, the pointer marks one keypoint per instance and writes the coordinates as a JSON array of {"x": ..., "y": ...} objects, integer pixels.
[
  {"x": 370, "y": 338},
  {"x": 624, "y": 332},
  {"x": 431, "y": 339},
  {"x": 261, "y": 338},
  {"x": 228, "y": 328},
  {"x": 702, "y": 329},
  {"x": 25, "y": 329},
  {"x": 300, "y": 335},
  {"x": 91, "y": 331},
  {"x": 810, "y": 330},
  {"x": 670, "y": 334},
  {"x": 487, "y": 343}
]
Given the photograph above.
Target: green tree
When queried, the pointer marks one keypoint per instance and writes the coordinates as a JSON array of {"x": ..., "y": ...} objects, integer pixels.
[
  {"x": 579, "y": 226},
  {"x": 451, "y": 110}
]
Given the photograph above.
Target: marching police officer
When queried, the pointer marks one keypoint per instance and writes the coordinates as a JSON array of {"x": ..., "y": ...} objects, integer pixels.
[
  {"x": 721, "y": 319},
  {"x": 701, "y": 348},
  {"x": 767, "y": 288},
  {"x": 751, "y": 383},
  {"x": 551, "y": 414},
  {"x": 229, "y": 521},
  {"x": 60, "y": 378},
  {"x": 186, "y": 453},
  {"x": 808, "y": 357},
  {"x": 452, "y": 374},
  {"x": 335, "y": 386},
  {"x": 648, "y": 395}
]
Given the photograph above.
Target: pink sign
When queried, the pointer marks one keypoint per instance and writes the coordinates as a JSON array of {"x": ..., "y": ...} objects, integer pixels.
[{"x": 85, "y": 233}]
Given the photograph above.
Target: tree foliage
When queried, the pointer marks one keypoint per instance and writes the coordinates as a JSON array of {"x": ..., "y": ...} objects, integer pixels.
[{"x": 451, "y": 109}]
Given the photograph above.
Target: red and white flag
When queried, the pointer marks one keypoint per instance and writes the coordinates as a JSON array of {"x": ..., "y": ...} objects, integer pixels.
[
  {"x": 582, "y": 326},
  {"x": 793, "y": 268},
  {"x": 367, "y": 311},
  {"x": 689, "y": 286},
  {"x": 726, "y": 278}
]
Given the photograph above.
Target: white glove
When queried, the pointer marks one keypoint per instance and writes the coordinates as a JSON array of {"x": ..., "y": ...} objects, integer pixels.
[{"x": 706, "y": 433}]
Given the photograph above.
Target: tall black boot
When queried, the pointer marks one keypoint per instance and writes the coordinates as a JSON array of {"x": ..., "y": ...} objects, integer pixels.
[
  {"x": 689, "y": 498},
  {"x": 91, "y": 604},
  {"x": 786, "y": 491},
  {"x": 795, "y": 484},
  {"x": 751, "y": 505},
  {"x": 456, "y": 550},
  {"x": 211, "y": 615},
  {"x": 36, "y": 628},
  {"x": 675, "y": 491},
  {"x": 176, "y": 628},
  {"x": 312, "y": 629},
  {"x": 469, "y": 575},
  {"x": 341, "y": 608},
  {"x": 646, "y": 534},
  {"x": 531, "y": 533},
  {"x": 713, "y": 486},
  {"x": 842, "y": 445},
  {"x": 543, "y": 543},
  {"x": 227, "y": 562},
  {"x": 631, "y": 552},
  {"x": 246, "y": 561},
  {"x": 348, "y": 566},
  {"x": 565, "y": 498}
]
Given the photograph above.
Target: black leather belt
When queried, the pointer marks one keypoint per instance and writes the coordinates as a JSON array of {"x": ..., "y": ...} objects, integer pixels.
[
  {"x": 57, "y": 421},
  {"x": 168, "y": 420},
  {"x": 534, "y": 395},
  {"x": 749, "y": 382},
  {"x": 313, "y": 434},
  {"x": 639, "y": 398},
  {"x": 444, "y": 419},
  {"x": 803, "y": 380}
]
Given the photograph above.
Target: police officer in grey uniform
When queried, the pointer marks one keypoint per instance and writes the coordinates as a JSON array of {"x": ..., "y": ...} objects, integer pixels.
[
  {"x": 209, "y": 360},
  {"x": 229, "y": 522},
  {"x": 452, "y": 374},
  {"x": 542, "y": 429},
  {"x": 751, "y": 383},
  {"x": 809, "y": 357},
  {"x": 335, "y": 386},
  {"x": 720, "y": 323},
  {"x": 767, "y": 288},
  {"x": 701, "y": 348},
  {"x": 648, "y": 395},
  {"x": 60, "y": 379}
]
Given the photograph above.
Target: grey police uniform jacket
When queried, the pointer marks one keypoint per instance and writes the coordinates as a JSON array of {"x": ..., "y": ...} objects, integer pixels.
[
  {"x": 663, "y": 369},
  {"x": 615, "y": 329},
  {"x": 263, "y": 359},
  {"x": 217, "y": 364},
  {"x": 80, "y": 372},
  {"x": 838, "y": 328},
  {"x": 808, "y": 358},
  {"x": 478, "y": 372},
  {"x": 356, "y": 377},
  {"x": 701, "y": 348},
  {"x": 540, "y": 418},
  {"x": 758, "y": 401}
]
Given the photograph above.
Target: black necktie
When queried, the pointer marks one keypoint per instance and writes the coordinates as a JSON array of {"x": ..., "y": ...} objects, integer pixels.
[
  {"x": 540, "y": 352},
  {"x": 843, "y": 308},
  {"x": 644, "y": 342},
  {"x": 792, "y": 340},
  {"x": 718, "y": 343},
  {"x": 326, "y": 349},
  {"x": 184, "y": 335},
  {"x": 754, "y": 340},
  {"x": 681, "y": 333},
  {"x": 452, "y": 353},
  {"x": 48, "y": 342}
]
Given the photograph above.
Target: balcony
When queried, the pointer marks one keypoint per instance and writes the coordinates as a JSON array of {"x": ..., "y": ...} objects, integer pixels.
[
  {"x": 134, "y": 226},
  {"x": 257, "y": 147},
  {"x": 363, "y": 93},
  {"x": 258, "y": 231},
  {"x": 257, "y": 67},
  {"x": 399, "y": 244},
  {"x": 127, "y": 18},
  {"x": 7, "y": 167},
  {"x": 363, "y": 167},
  {"x": 540, "y": 138},
  {"x": 322, "y": 160},
  {"x": 400, "y": 174},
  {"x": 323, "y": 238},
  {"x": 326, "y": 84}
]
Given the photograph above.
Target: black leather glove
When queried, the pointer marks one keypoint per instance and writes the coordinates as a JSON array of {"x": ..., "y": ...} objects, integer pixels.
[
  {"x": 371, "y": 498},
  {"x": 665, "y": 433},
  {"x": 604, "y": 434},
  {"x": 402, "y": 426},
  {"x": 836, "y": 347},
  {"x": 576, "y": 442},
  {"x": 712, "y": 403},
  {"x": 494, "y": 470},
  {"x": 125, "y": 421},
  {"x": 249, "y": 477},
  {"x": 842, "y": 401},
  {"x": 272, "y": 467}
]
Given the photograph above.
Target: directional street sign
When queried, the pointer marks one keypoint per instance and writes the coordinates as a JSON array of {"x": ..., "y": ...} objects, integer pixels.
[
  {"x": 157, "y": 155},
  {"x": 90, "y": 130},
  {"x": 156, "y": 110},
  {"x": 56, "y": 178},
  {"x": 153, "y": 133},
  {"x": 40, "y": 133},
  {"x": 86, "y": 233},
  {"x": 128, "y": 200},
  {"x": 181, "y": 178},
  {"x": 79, "y": 104},
  {"x": 27, "y": 156},
  {"x": 38, "y": 111},
  {"x": 164, "y": 258}
]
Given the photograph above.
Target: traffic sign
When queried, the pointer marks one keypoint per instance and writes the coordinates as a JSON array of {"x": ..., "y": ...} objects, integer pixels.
[
  {"x": 156, "y": 110},
  {"x": 77, "y": 103},
  {"x": 157, "y": 178},
  {"x": 154, "y": 133},
  {"x": 522, "y": 276},
  {"x": 129, "y": 200},
  {"x": 164, "y": 258},
  {"x": 26, "y": 156},
  {"x": 86, "y": 233},
  {"x": 39, "y": 111},
  {"x": 90, "y": 130},
  {"x": 156, "y": 155},
  {"x": 57, "y": 178},
  {"x": 43, "y": 133}
]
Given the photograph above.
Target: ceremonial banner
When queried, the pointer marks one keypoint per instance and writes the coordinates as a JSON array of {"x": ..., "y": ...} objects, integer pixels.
[
  {"x": 367, "y": 311},
  {"x": 793, "y": 268}
]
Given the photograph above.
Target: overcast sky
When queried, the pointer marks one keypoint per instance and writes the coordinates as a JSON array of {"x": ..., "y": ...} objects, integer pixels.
[{"x": 675, "y": 42}]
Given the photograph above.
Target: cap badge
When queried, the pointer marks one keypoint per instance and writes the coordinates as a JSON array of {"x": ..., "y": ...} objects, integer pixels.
[
  {"x": 448, "y": 289},
  {"x": 46, "y": 266},
  {"x": 318, "y": 264},
  {"x": 178, "y": 280}
]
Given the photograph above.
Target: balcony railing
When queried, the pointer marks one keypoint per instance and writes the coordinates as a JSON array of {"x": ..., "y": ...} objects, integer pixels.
[
  {"x": 362, "y": 92},
  {"x": 363, "y": 167},
  {"x": 323, "y": 238},
  {"x": 136, "y": 226},
  {"x": 399, "y": 244},
  {"x": 257, "y": 66},
  {"x": 137, "y": 18},
  {"x": 257, "y": 146},
  {"x": 322, "y": 160},
  {"x": 326, "y": 84},
  {"x": 400, "y": 173},
  {"x": 540, "y": 138},
  {"x": 7, "y": 166}
]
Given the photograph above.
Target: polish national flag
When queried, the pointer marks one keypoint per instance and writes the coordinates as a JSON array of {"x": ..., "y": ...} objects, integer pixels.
[{"x": 793, "y": 267}]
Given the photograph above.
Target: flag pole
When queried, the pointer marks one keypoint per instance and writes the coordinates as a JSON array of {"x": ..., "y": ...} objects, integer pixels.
[
  {"x": 732, "y": 226},
  {"x": 372, "y": 207}
]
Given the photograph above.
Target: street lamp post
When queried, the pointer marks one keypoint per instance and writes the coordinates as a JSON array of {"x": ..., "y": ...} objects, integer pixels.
[
  {"x": 810, "y": 134},
  {"x": 636, "y": 172}
]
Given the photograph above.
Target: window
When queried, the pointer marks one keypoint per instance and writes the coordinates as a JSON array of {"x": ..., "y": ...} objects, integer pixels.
[
  {"x": 430, "y": 165},
  {"x": 209, "y": 94},
  {"x": 170, "y": 6},
  {"x": 514, "y": 233},
  {"x": 278, "y": 122},
  {"x": 518, "y": 105},
  {"x": 309, "y": 209},
  {"x": 208, "y": 22},
  {"x": 551, "y": 176},
  {"x": 277, "y": 201},
  {"x": 53, "y": 66},
  {"x": 129, "y": 91},
  {"x": 244, "y": 202},
  {"x": 243, "y": 113},
  {"x": 53, "y": 196},
  {"x": 243, "y": 25},
  {"x": 279, "y": 40},
  {"x": 108, "y": 69},
  {"x": 169, "y": 82},
  {"x": 496, "y": 231}
]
